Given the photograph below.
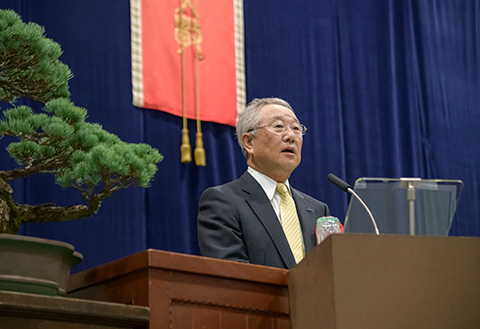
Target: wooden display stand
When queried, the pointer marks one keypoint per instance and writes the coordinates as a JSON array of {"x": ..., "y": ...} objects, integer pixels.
[
  {"x": 31, "y": 311},
  {"x": 387, "y": 281},
  {"x": 185, "y": 291}
]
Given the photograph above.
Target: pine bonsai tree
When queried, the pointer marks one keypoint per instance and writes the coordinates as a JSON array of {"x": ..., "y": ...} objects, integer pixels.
[{"x": 79, "y": 154}]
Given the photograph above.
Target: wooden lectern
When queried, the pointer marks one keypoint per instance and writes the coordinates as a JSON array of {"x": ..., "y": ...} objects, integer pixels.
[
  {"x": 190, "y": 292},
  {"x": 387, "y": 281}
]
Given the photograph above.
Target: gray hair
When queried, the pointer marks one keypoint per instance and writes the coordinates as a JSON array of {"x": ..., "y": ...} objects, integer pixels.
[{"x": 250, "y": 118}]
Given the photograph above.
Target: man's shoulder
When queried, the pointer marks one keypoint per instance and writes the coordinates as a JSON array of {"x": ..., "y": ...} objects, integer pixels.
[{"x": 235, "y": 185}]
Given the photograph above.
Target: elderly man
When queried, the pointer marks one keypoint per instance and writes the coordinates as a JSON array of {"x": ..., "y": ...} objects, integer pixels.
[{"x": 259, "y": 218}]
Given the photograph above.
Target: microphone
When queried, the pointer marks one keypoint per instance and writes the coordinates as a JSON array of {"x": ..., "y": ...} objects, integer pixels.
[
  {"x": 338, "y": 182},
  {"x": 347, "y": 188}
]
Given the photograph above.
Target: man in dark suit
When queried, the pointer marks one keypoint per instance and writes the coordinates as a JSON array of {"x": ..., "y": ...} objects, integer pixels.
[{"x": 241, "y": 220}]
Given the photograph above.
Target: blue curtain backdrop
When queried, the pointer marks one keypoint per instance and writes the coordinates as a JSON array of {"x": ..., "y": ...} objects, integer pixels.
[{"x": 386, "y": 89}]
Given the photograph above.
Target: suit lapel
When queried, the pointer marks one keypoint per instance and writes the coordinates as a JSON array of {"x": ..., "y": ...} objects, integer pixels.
[{"x": 263, "y": 210}]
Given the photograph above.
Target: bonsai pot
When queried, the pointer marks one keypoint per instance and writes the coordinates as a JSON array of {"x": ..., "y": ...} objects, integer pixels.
[{"x": 35, "y": 265}]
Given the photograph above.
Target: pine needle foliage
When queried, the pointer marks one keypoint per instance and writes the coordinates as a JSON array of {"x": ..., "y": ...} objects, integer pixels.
[
  {"x": 57, "y": 141},
  {"x": 29, "y": 65}
]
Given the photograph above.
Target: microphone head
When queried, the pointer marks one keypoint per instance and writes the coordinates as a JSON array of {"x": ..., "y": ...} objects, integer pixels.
[{"x": 337, "y": 181}]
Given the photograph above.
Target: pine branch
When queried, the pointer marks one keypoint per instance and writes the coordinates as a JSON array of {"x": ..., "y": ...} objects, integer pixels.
[
  {"x": 50, "y": 213},
  {"x": 44, "y": 167}
]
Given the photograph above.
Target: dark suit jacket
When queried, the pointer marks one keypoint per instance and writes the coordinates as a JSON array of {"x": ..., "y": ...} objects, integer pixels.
[{"x": 236, "y": 221}]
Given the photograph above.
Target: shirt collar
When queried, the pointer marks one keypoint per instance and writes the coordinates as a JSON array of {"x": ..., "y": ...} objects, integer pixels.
[{"x": 268, "y": 184}]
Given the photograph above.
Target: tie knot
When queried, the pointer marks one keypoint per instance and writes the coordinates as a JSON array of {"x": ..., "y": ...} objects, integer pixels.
[{"x": 282, "y": 189}]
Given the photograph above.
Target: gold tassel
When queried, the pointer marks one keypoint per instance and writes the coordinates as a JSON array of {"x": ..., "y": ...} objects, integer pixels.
[
  {"x": 199, "y": 152},
  {"x": 185, "y": 148},
  {"x": 188, "y": 33}
]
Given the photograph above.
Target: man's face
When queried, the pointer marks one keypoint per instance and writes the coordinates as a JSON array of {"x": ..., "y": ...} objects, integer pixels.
[{"x": 275, "y": 154}]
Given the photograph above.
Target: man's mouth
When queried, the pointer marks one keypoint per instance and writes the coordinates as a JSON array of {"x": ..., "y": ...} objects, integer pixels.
[{"x": 288, "y": 150}]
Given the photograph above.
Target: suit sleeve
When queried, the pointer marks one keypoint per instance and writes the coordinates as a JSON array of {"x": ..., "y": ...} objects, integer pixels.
[{"x": 219, "y": 227}]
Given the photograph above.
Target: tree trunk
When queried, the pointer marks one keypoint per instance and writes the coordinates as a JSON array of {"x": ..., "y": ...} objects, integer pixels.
[{"x": 7, "y": 223}]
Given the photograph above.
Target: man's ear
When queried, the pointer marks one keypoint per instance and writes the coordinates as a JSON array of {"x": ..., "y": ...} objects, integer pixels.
[{"x": 247, "y": 141}]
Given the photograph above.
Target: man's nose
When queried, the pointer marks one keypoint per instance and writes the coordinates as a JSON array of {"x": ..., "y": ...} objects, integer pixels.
[{"x": 290, "y": 134}]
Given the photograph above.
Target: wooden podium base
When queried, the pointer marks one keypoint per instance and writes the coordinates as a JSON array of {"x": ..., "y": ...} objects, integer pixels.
[{"x": 387, "y": 281}]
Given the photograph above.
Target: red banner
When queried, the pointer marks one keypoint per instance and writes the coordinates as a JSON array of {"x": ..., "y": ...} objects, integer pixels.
[{"x": 210, "y": 33}]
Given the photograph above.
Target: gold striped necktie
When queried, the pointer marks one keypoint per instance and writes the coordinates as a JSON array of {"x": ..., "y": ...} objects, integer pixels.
[{"x": 290, "y": 223}]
